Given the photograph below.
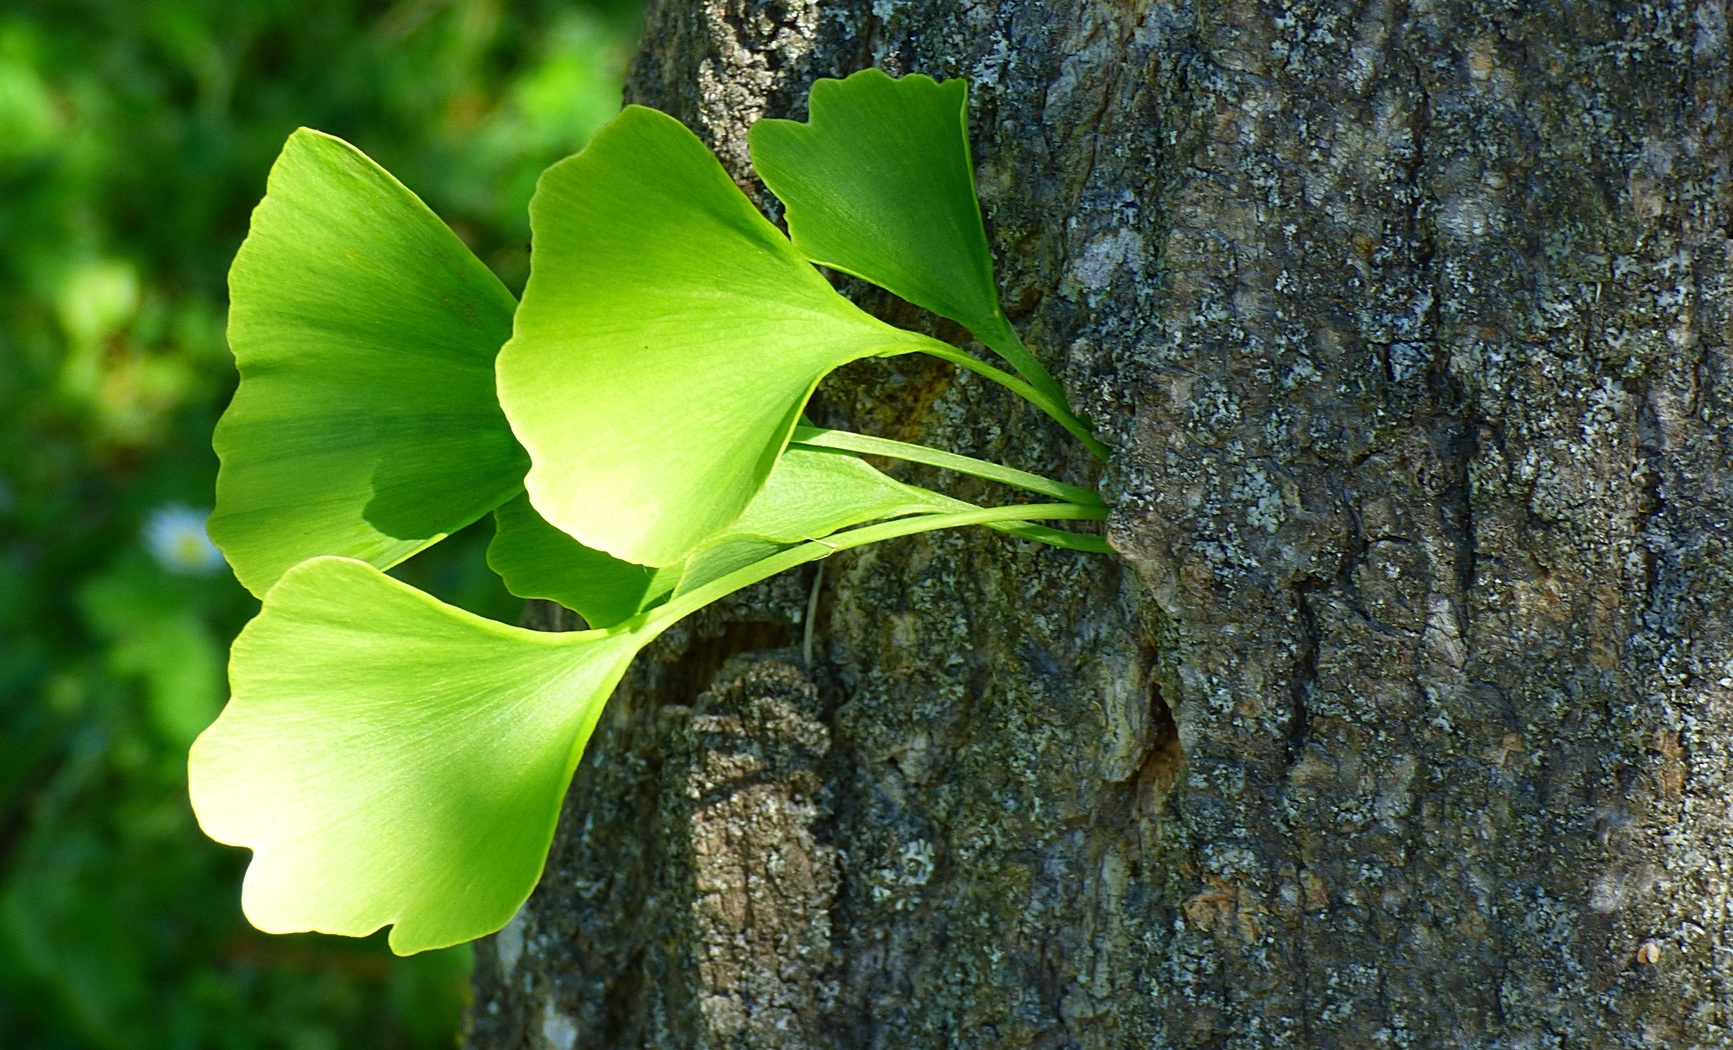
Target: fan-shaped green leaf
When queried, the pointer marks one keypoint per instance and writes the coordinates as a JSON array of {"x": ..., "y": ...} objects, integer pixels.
[
  {"x": 810, "y": 495},
  {"x": 879, "y": 184},
  {"x": 366, "y": 422},
  {"x": 390, "y": 759},
  {"x": 537, "y": 560},
  {"x": 815, "y": 491},
  {"x": 657, "y": 292}
]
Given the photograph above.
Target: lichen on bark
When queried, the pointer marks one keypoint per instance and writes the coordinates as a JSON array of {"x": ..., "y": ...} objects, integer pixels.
[{"x": 1402, "y": 716}]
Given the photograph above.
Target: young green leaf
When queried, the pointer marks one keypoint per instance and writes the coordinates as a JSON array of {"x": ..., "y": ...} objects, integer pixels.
[
  {"x": 366, "y": 423},
  {"x": 537, "y": 560},
  {"x": 393, "y": 760},
  {"x": 811, "y": 494},
  {"x": 1008, "y": 518},
  {"x": 815, "y": 491},
  {"x": 657, "y": 293},
  {"x": 808, "y": 437},
  {"x": 879, "y": 184}
]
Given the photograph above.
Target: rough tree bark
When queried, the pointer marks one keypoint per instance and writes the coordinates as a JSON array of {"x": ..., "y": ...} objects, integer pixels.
[{"x": 1404, "y": 716}]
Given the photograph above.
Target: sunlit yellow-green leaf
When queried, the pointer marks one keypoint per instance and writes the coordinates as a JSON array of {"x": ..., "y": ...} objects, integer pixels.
[
  {"x": 879, "y": 184},
  {"x": 811, "y": 494},
  {"x": 666, "y": 343},
  {"x": 366, "y": 422},
  {"x": 392, "y": 760}
]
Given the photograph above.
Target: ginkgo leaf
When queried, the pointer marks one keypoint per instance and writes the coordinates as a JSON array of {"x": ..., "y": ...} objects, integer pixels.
[
  {"x": 393, "y": 760},
  {"x": 879, "y": 184},
  {"x": 537, "y": 560},
  {"x": 366, "y": 422},
  {"x": 815, "y": 491},
  {"x": 666, "y": 343},
  {"x": 811, "y": 494}
]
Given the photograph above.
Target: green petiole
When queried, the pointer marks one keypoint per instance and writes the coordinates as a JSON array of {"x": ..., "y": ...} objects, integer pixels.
[
  {"x": 1004, "y": 341},
  {"x": 846, "y": 441},
  {"x": 1046, "y": 402},
  {"x": 1071, "y": 541},
  {"x": 813, "y": 550}
]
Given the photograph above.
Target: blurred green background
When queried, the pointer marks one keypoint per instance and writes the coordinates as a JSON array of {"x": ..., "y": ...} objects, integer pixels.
[{"x": 134, "y": 140}]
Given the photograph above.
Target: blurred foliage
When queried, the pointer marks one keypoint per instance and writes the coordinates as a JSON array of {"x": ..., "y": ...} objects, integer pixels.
[{"x": 134, "y": 139}]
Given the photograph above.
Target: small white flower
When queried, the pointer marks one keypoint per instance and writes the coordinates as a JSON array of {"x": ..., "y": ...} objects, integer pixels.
[{"x": 174, "y": 534}]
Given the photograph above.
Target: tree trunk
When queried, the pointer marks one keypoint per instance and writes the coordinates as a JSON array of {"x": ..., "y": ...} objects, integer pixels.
[{"x": 1403, "y": 717}]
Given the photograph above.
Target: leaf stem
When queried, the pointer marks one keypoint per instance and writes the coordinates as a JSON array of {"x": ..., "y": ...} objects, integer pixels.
[
  {"x": 1043, "y": 400},
  {"x": 847, "y": 441},
  {"x": 1005, "y": 342},
  {"x": 697, "y": 598},
  {"x": 1071, "y": 541}
]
